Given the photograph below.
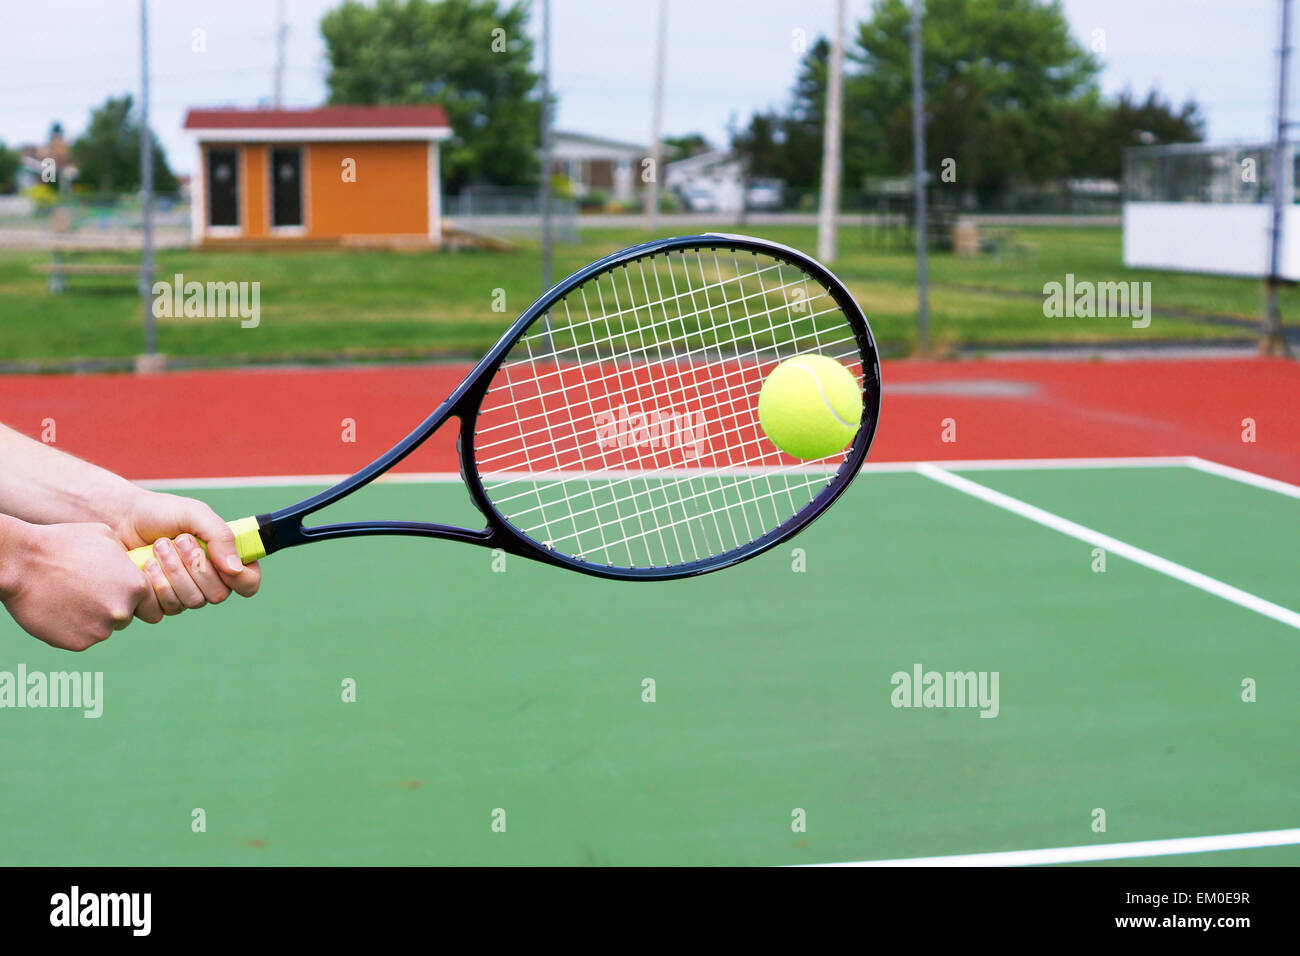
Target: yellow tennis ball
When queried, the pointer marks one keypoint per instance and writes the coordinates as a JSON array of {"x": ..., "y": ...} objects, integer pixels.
[{"x": 810, "y": 406}]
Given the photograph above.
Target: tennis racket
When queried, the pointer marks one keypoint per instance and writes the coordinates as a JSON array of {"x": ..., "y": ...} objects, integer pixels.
[{"x": 614, "y": 428}]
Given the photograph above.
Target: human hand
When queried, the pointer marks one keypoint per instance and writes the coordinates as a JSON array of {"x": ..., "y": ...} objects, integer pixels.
[
  {"x": 181, "y": 573},
  {"x": 71, "y": 585}
]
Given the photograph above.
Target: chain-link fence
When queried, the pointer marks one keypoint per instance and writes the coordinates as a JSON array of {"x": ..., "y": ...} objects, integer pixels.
[
  {"x": 112, "y": 220},
  {"x": 1200, "y": 173},
  {"x": 509, "y": 212}
]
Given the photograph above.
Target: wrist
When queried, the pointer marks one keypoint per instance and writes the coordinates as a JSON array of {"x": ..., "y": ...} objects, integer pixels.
[
  {"x": 120, "y": 507},
  {"x": 15, "y": 544}
]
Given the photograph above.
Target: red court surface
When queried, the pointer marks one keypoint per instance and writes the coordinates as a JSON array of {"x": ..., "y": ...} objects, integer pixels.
[{"x": 233, "y": 423}]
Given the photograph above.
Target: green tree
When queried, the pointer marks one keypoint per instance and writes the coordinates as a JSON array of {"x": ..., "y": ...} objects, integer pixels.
[
  {"x": 1001, "y": 78},
  {"x": 787, "y": 145},
  {"x": 1010, "y": 96},
  {"x": 9, "y": 163},
  {"x": 689, "y": 144},
  {"x": 107, "y": 154},
  {"x": 471, "y": 56},
  {"x": 1132, "y": 122}
]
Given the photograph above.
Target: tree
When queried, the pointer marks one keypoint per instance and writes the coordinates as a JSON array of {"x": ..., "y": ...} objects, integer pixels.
[
  {"x": 999, "y": 76},
  {"x": 470, "y": 56},
  {"x": 10, "y": 160},
  {"x": 1010, "y": 96},
  {"x": 107, "y": 154},
  {"x": 689, "y": 144},
  {"x": 788, "y": 146},
  {"x": 1130, "y": 122}
]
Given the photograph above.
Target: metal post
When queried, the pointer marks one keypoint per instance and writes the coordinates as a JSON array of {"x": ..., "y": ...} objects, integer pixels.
[
  {"x": 546, "y": 145},
  {"x": 146, "y": 189},
  {"x": 830, "y": 198},
  {"x": 919, "y": 175},
  {"x": 656, "y": 118},
  {"x": 281, "y": 30},
  {"x": 1272, "y": 338}
]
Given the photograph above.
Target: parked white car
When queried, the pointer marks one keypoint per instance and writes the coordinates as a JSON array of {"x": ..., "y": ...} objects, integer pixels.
[
  {"x": 699, "y": 200},
  {"x": 764, "y": 194}
]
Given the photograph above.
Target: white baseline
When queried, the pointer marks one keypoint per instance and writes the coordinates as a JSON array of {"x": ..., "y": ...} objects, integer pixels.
[{"x": 1100, "y": 851}]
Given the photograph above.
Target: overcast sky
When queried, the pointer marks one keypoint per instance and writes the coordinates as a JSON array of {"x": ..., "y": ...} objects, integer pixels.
[{"x": 726, "y": 58}]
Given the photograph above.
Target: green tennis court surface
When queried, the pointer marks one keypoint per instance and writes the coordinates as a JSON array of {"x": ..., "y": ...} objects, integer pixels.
[{"x": 521, "y": 690}]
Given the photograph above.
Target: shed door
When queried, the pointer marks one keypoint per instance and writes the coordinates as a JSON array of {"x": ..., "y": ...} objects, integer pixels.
[
  {"x": 286, "y": 187},
  {"x": 223, "y": 188}
]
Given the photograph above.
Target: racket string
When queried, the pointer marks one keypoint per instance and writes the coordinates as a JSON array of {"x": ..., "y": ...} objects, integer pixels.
[
  {"x": 568, "y": 498},
  {"x": 625, "y": 431},
  {"x": 677, "y": 297}
]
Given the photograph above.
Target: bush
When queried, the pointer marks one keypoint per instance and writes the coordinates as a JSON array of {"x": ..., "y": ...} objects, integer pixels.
[
  {"x": 595, "y": 200},
  {"x": 44, "y": 195}
]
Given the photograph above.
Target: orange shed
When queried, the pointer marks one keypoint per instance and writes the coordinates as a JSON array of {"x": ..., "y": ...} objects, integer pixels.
[{"x": 348, "y": 174}]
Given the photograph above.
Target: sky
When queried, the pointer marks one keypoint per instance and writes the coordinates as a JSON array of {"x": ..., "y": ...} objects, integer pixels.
[{"x": 725, "y": 59}]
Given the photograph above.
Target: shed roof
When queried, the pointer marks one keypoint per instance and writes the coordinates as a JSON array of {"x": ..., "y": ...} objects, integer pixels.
[{"x": 322, "y": 122}]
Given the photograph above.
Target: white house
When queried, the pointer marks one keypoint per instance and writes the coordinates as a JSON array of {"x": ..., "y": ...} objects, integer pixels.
[
  {"x": 593, "y": 163},
  {"x": 711, "y": 182}
]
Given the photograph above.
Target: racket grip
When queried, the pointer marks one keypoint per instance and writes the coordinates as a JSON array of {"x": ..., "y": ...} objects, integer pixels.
[{"x": 248, "y": 542}]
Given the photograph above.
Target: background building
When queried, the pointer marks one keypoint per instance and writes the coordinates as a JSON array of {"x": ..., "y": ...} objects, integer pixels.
[
  {"x": 594, "y": 164},
  {"x": 355, "y": 174}
]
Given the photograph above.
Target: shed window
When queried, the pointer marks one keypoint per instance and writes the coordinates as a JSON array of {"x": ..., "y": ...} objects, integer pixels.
[
  {"x": 223, "y": 188},
  {"x": 286, "y": 187}
]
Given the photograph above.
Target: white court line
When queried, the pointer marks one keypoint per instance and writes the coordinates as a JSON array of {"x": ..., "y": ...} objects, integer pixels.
[
  {"x": 1018, "y": 464},
  {"x": 1145, "y": 558},
  {"x": 1245, "y": 477},
  {"x": 883, "y": 467},
  {"x": 1100, "y": 851}
]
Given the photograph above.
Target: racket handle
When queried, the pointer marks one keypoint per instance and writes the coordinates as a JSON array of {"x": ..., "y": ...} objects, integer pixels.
[{"x": 248, "y": 542}]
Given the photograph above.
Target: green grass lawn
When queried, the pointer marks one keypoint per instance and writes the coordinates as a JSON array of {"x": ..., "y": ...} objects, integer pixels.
[{"x": 319, "y": 304}]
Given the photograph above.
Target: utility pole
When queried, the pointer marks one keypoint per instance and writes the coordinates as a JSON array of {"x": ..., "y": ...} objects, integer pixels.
[
  {"x": 545, "y": 198},
  {"x": 1272, "y": 338},
  {"x": 830, "y": 198},
  {"x": 281, "y": 31},
  {"x": 656, "y": 119},
  {"x": 146, "y": 189},
  {"x": 919, "y": 177}
]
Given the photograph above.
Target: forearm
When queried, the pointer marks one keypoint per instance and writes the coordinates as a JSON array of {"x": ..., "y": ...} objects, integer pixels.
[{"x": 42, "y": 485}]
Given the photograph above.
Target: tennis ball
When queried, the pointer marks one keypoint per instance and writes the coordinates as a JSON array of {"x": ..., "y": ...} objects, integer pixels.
[{"x": 810, "y": 406}]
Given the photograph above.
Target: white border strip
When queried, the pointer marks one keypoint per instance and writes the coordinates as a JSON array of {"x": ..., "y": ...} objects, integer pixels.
[
  {"x": 1102, "y": 851},
  {"x": 1145, "y": 558},
  {"x": 1245, "y": 477},
  {"x": 320, "y": 134}
]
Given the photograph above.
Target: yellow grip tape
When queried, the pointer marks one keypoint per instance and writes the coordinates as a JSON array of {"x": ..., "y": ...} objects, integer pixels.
[{"x": 248, "y": 542}]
